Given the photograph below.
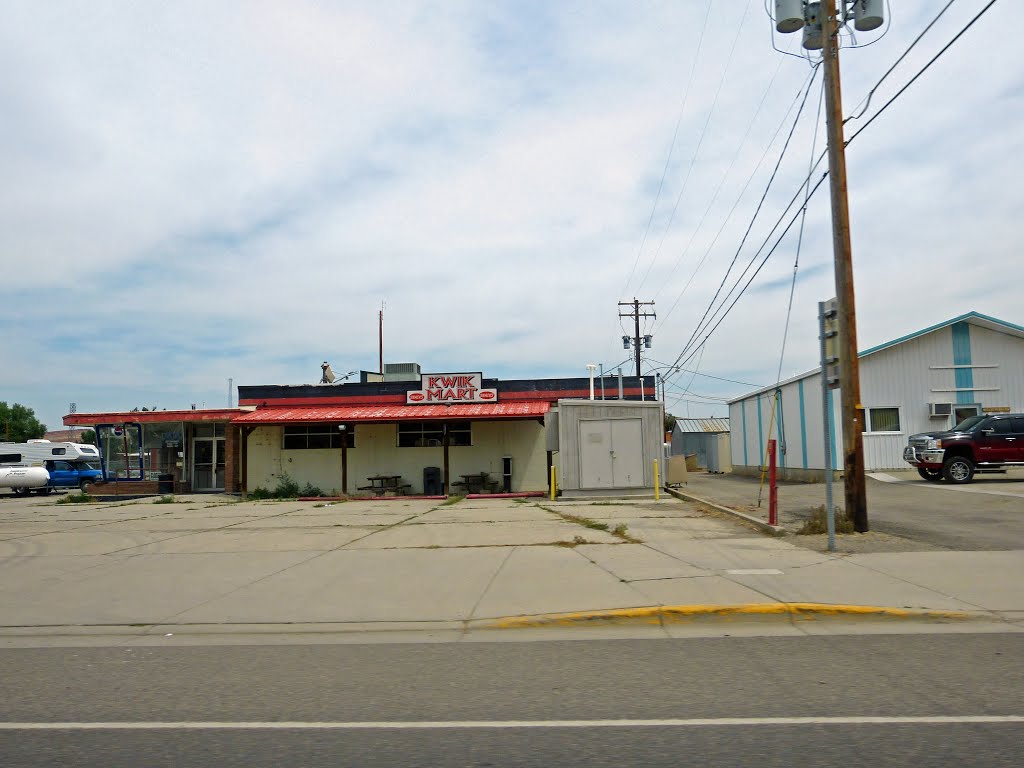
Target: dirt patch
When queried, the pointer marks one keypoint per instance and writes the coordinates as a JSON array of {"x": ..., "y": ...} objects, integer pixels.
[{"x": 862, "y": 543}]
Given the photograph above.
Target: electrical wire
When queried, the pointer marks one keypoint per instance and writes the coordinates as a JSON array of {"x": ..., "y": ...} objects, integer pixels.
[
  {"x": 866, "y": 101},
  {"x": 671, "y": 147},
  {"x": 689, "y": 351},
  {"x": 743, "y": 191},
  {"x": 757, "y": 211},
  {"x": 714, "y": 197},
  {"x": 921, "y": 71},
  {"x": 800, "y": 234},
  {"x": 700, "y": 143}
]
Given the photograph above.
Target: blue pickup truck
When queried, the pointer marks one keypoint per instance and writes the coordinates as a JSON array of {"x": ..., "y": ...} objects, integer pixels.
[{"x": 70, "y": 474}]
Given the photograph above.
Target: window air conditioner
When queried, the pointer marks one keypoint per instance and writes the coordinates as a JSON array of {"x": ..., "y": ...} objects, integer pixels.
[{"x": 939, "y": 410}]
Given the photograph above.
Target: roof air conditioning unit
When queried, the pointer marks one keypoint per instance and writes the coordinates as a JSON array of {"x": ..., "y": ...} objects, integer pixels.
[{"x": 940, "y": 410}]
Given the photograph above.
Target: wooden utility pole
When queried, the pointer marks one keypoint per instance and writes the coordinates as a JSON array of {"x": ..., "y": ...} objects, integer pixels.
[
  {"x": 849, "y": 376},
  {"x": 636, "y": 314}
]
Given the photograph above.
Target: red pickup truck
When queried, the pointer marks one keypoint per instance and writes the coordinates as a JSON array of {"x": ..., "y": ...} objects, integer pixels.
[{"x": 976, "y": 444}]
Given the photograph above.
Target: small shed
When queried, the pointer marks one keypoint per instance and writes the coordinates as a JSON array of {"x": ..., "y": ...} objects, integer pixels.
[
  {"x": 608, "y": 447},
  {"x": 707, "y": 439}
]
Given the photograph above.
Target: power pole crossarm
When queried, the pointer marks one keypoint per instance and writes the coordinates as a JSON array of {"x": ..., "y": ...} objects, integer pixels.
[{"x": 636, "y": 314}]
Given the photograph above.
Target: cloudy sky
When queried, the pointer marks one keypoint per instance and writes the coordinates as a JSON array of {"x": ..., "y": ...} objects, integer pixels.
[{"x": 195, "y": 192}]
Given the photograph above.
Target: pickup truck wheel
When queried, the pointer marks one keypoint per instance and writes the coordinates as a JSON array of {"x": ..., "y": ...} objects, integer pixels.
[
  {"x": 931, "y": 475},
  {"x": 83, "y": 486},
  {"x": 958, "y": 469}
]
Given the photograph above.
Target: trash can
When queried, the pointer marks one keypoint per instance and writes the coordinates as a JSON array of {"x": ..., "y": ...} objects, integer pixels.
[
  {"x": 432, "y": 481},
  {"x": 165, "y": 483}
]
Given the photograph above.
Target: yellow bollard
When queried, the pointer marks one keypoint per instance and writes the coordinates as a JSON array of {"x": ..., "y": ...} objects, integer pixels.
[
  {"x": 657, "y": 496},
  {"x": 552, "y": 483}
]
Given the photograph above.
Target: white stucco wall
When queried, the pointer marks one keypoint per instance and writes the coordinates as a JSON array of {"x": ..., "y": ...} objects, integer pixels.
[{"x": 376, "y": 451}]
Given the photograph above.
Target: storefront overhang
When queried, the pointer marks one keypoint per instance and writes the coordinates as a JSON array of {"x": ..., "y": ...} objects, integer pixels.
[
  {"x": 394, "y": 413},
  {"x": 151, "y": 417}
]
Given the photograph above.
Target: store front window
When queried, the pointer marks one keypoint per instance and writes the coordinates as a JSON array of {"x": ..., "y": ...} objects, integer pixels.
[{"x": 420, "y": 434}]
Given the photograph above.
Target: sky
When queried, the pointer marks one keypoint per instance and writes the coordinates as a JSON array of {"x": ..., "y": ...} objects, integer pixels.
[{"x": 196, "y": 194}]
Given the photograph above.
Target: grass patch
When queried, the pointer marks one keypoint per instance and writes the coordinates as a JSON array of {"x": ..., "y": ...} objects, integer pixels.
[
  {"x": 586, "y": 522},
  {"x": 164, "y": 500},
  {"x": 76, "y": 498},
  {"x": 451, "y": 500},
  {"x": 817, "y": 523},
  {"x": 576, "y": 541},
  {"x": 620, "y": 531}
]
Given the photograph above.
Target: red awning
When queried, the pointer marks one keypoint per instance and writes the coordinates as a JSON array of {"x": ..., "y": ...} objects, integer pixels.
[
  {"x": 390, "y": 413},
  {"x": 150, "y": 417}
]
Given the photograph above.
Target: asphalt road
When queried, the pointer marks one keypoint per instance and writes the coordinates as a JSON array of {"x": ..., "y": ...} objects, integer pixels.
[
  {"x": 496, "y": 704},
  {"x": 985, "y": 515}
]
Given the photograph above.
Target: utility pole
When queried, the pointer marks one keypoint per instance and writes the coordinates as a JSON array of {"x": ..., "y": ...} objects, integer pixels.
[
  {"x": 636, "y": 314},
  {"x": 849, "y": 376},
  {"x": 380, "y": 338}
]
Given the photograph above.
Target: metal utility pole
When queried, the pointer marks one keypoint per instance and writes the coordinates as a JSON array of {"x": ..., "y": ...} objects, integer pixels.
[
  {"x": 636, "y": 314},
  {"x": 380, "y": 339},
  {"x": 849, "y": 376}
]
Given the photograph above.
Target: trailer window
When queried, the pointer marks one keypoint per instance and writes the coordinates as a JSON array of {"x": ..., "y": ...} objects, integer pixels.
[{"x": 58, "y": 451}]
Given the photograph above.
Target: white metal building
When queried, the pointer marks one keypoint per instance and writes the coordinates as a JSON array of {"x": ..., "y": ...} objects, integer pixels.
[{"x": 927, "y": 380}]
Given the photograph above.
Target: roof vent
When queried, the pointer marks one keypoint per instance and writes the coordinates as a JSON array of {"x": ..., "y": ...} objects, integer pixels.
[{"x": 401, "y": 371}]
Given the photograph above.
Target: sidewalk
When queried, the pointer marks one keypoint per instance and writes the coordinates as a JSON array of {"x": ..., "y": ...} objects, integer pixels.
[{"x": 216, "y": 567}]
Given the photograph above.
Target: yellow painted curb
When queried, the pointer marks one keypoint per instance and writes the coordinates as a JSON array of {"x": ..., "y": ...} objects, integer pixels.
[{"x": 661, "y": 614}]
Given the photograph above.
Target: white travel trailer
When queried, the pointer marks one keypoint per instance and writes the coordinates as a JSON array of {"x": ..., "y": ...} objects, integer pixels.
[
  {"x": 35, "y": 452},
  {"x": 45, "y": 465}
]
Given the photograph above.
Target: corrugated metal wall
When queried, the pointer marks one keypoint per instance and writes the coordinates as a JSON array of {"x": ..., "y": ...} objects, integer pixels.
[{"x": 907, "y": 376}]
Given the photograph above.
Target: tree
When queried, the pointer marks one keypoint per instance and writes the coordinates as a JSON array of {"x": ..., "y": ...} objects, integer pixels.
[
  {"x": 88, "y": 436},
  {"x": 670, "y": 422},
  {"x": 18, "y": 423}
]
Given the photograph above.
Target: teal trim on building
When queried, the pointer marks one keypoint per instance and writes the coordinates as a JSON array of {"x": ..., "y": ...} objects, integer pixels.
[
  {"x": 832, "y": 428},
  {"x": 961, "y": 320},
  {"x": 782, "y": 428},
  {"x": 743, "y": 418},
  {"x": 963, "y": 378},
  {"x": 803, "y": 424},
  {"x": 760, "y": 436}
]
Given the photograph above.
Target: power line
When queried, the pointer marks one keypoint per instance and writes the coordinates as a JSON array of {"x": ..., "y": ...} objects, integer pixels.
[
  {"x": 671, "y": 146},
  {"x": 689, "y": 350},
  {"x": 757, "y": 212},
  {"x": 867, "y": 99},
  {"x": 739, "y": 197},
  {"x": 921, "y": 71},
  {"x": 718, "y": 189},
  {"x": 800, "y": 235},
  {"x": 700, "y": 143}
]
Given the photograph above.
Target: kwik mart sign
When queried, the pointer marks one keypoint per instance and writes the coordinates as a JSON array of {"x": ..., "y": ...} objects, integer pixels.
[{"x": 451, "y": 388}]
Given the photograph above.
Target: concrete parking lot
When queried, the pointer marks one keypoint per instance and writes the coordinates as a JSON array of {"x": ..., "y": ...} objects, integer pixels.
[{"x": 204, "y": 564}]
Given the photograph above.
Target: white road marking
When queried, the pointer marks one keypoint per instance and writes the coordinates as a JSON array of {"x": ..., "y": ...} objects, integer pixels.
[{"x": 477, "y": 724}]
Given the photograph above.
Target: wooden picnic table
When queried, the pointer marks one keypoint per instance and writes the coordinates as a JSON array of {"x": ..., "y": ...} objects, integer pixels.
[
  {"x": 381, "y": 485},
  {"x": 476, "y": 482}
]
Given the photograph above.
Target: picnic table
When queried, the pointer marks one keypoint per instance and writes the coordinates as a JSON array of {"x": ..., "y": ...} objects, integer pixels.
[
  {"x": 476, "y": 482},
  {"x": 381, "y": 485}
]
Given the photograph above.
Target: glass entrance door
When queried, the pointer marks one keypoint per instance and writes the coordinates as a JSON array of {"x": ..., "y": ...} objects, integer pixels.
[{"x": 208, "y": 464}]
